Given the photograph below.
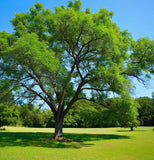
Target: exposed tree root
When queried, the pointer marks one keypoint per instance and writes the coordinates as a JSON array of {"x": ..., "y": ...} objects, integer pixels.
[{"x": 60, "y": 139}]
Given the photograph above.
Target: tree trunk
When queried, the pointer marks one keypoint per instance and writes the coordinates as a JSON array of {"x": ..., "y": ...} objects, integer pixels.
[
  {"x": 58, "y": 130},
  {"x": 131, "y": 128}
]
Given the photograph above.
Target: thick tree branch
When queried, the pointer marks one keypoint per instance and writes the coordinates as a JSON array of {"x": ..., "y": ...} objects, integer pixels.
[
  {"x": 75, "y": 97},
  {"x": 39, "y": 95},
  {"x": 8, "y": 91},
  {"x": 38, "y": 80},
  {"x": 96, "y": 89},
  {"x": 142, "y": 58},
  {"x": 135, "y": 76},
  {"x": 61, "y": 103},
  {"x": 78, "y": 39}
]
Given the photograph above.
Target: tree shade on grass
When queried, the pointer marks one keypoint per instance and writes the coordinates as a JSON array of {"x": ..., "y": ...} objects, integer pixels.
[
  {"x": 97, "y": 143},
  {"x": 58, "y": 56}
]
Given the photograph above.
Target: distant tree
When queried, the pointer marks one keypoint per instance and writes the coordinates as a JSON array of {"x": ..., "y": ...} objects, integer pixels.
[
  {"x": 73, "y": 118},
  {"x": 146, "y": 111},
  {"x": 122, "y": 111},
  {"x": 153, "y": 96},
  {"x": 48, "y": 118},
  {"x": 9, "y": 115},
  {"x": 34, "y": 119},
  {"x": 61, "y": 55},
  {"x": 31, "y": 116},
  {"x": 84, "y": 114}
]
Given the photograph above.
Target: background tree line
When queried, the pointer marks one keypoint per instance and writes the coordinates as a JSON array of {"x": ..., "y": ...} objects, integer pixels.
[{"x": 111, "y": 113}]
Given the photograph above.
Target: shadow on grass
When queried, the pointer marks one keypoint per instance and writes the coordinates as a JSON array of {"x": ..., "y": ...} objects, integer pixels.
[
  {"x": 39, "y": 139},
  {"x": 131, "y": 131}
]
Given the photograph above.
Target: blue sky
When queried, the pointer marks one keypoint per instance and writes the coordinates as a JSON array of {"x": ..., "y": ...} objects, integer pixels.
[{"x": 135, "y": 15}]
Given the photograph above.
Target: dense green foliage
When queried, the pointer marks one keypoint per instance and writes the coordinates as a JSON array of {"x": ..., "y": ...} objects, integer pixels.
[
  {"x": 113, "y": 113},
  {"x": 85, "y": 114},
  {"x": 31, "y": 117},
  {"x": 122, "y": 112},
  {"x": 6, "y": 95},
  {"x": 68, "y": 54},
  {"x": 146, "y": 111},
  {"x": 9, "y": 115}
]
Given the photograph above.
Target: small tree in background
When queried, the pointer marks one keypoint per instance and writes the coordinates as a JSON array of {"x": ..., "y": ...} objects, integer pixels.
[
  {"x": 9, "y": 115},
  {"x": 122, "y": 111},
  {"x": 146, "y": 111},
  {"x": 85, "y": 114}
]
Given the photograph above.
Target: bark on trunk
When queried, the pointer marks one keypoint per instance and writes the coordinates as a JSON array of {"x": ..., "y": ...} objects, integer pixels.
[
  {"x": 132, "y": 128},
  {"x": 59, "y": 130}
]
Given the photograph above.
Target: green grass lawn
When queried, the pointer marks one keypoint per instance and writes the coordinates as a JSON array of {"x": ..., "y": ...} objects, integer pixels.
[{"x": 17, "y": 143}]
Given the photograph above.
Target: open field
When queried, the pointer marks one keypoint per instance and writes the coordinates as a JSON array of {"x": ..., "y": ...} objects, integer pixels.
[{"x": 90, "y": 144}]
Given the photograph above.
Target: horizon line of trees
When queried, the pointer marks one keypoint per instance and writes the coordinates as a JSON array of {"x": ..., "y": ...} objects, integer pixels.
[{"x": 85, "y": 115}]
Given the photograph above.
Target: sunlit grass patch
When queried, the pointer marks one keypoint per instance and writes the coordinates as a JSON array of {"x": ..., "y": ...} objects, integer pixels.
[{"x": 86, "y": 144}]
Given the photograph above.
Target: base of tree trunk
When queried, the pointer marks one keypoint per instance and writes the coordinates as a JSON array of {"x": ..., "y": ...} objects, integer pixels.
[
  {"x": 60, "y": 139},
  {"x": 59, "y": 131}
]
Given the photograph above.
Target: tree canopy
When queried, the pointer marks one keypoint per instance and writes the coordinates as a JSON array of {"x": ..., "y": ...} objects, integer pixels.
[
  {"x": 122, "y": 111},
  {"x": 146, "y": 111},
  {"x": 68, "y": 54}
]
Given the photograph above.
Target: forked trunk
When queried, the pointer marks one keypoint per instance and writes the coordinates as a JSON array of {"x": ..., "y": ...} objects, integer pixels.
[{"x": 58, "y": 130}]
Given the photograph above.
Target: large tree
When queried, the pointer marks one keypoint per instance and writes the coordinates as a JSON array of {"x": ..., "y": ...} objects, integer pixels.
[{"x": 69, "y": 54}]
